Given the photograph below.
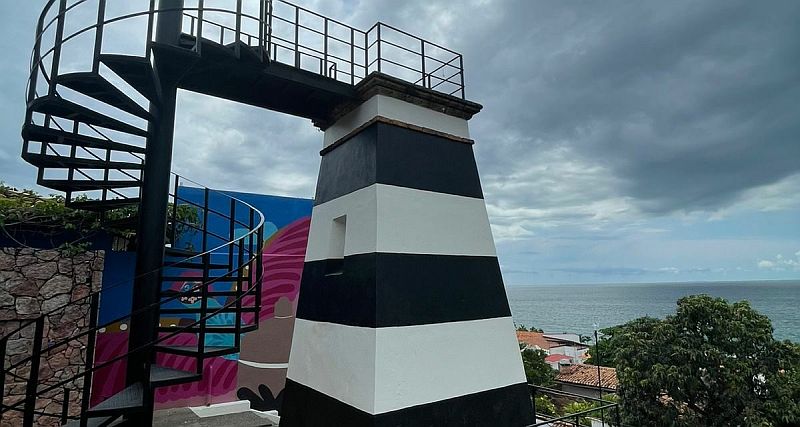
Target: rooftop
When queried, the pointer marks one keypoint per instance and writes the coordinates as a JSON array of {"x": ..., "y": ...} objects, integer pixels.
[{"x": 586, "y": 375}]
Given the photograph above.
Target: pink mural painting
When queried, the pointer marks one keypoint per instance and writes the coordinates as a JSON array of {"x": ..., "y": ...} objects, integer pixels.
[{"x": 258, "y": 372}]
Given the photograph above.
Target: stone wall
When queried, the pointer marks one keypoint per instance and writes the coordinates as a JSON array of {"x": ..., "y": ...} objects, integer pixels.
[{"x": 36, "y": 282}]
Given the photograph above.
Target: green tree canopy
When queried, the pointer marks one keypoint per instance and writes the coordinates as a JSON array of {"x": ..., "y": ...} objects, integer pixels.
[
  {"x": 537, "y": 371},
  {"x": 710, "y": 364}
]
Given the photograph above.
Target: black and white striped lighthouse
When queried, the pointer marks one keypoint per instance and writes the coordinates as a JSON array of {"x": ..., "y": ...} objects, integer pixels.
[{"x": 402, "y": 319}]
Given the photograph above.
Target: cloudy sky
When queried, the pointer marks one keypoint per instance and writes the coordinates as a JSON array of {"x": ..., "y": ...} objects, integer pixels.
[{"x": 619, "y": 141}]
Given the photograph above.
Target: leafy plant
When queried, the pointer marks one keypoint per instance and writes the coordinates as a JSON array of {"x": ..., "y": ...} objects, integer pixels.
[
  {"x": 711, "y": 363},
  {"x": 544, "y": 405},
  {"x": 537, "y": 371},
  {"x": 30, "y": 212}
]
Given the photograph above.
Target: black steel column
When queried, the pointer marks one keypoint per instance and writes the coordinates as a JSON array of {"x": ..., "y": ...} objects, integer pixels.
[{"x": 153, "y": 210}]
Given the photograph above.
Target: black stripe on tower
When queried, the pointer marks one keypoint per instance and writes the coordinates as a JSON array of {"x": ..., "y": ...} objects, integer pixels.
[
  {"x": 387, "y": 289},
  {"x": 387, "y": 154},
  {"x": 505, "y": 406}
]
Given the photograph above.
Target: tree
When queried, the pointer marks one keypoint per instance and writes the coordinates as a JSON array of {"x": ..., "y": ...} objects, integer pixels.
[
  {"x": 537, "y": 371},
  {"x": 710, "y": 364},
  {"x": 608, "y": 345}
]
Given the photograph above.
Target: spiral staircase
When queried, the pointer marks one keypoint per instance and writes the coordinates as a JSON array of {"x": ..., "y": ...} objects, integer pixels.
[{"x": 88, "y": 138}]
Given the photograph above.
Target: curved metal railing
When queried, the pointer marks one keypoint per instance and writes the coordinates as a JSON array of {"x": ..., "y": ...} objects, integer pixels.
[
  {"x": 282, "y": 31},
  {"x": 244, "y": 269}
]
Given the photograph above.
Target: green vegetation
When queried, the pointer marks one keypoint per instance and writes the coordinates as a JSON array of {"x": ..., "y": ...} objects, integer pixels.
[
  {"x": 545, "y": 406},
  {"x": 710, "y": 364},
  {"x": 537, "y": 371},
  {"x": 28, "y": 211}
]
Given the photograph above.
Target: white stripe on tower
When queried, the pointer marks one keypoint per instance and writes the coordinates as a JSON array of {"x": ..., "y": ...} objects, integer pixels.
[{"x": 395, "y": 219}]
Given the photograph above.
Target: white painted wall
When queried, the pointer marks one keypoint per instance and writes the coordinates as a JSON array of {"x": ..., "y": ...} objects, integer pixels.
[
  {"x": 387, "y": 218},
  {"x": 405, "y": 366},
  {"x": 429, "y": 363},
  {"x": 336, "y": 360},
  {"x": 395, "y": 109}
]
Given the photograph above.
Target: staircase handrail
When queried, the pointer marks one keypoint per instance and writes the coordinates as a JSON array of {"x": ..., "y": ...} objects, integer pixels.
[
  {"x": 361, "y": 42},
  {"x": 161, "y": 338},
  {"x": 258, "y": 225}
]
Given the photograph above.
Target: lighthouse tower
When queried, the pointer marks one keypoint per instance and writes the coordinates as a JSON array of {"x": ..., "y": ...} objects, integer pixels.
[{"x": 402, "y": 317}]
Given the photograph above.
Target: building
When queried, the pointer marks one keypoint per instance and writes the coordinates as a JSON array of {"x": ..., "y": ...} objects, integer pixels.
[
  {"x": 583, "y": 380},
  {"x": 568, "y": 347}
]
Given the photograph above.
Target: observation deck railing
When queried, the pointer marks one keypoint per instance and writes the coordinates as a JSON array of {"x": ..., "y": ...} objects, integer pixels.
[{"x": 278, "y": 30}]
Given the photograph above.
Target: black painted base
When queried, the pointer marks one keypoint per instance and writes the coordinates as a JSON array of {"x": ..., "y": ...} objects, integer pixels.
[{"x": 507, "y": 407}]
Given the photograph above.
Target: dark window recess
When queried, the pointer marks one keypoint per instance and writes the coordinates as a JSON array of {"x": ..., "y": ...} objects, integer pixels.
[{"x": 335, "y": 261}]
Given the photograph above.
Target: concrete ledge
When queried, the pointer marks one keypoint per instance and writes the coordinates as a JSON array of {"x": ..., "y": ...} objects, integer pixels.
[{"x": 221, "y": 409}]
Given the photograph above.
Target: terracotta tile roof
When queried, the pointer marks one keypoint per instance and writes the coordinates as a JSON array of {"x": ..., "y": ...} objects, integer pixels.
[
  {"x": 587, "y": 375},
  {"x": 556, "y": 357},
  {"x": 534, "y": 339}
]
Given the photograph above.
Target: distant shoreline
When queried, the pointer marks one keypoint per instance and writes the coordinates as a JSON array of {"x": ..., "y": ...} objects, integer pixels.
[{"x": 727, "y": 282}]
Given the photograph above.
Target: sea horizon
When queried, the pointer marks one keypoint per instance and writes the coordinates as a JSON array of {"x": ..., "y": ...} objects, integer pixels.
[{"x": 557, "y": 308}]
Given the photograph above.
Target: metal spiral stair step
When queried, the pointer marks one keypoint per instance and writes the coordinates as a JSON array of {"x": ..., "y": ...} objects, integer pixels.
[
  {"x": 161, "y": 376},
  {"x": 93, "y": 422},
  {"x": 60, "y": 107},
  {"x": 170, "y": 293},
  {"x": 33, "y": 132},
  {"x": 192, "y": 350},
  {"x": 183, "y": 253},
  {"x": 86, "y": 185},
  {"x": 97, "y": 87},
  {"x": 171, "y": 278},
  {"x": 198, "y": 265},
  {"x": 55, "y": 161},
  {"x": 130, "y": 399},
  {"x": 102, "y": 205},
  {"x": 210, "y": 329},
  {"x": 197, "y": 310},
  {"x": 136, "y": 71}
]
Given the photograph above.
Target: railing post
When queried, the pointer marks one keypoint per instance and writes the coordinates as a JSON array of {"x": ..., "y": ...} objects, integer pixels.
[
  {"x": 261, "y": 9},
  {"x": 617, "y": 419},
  {"x": 297, "y": 37},
  {"x": 269, "y": 31},
  {"x": 259, "y": 270},
  {"x": 325, "y": 47},
  {"x": 201, "y": 336},
  {"x": 36, "y": 64},
  {"x": 150, "y": 18},
  {"x": 238, "y": 49},
  {"x": 98, "y": 35},
  {"x": 534, "y": 403},
  {"x": 3, "y": 345},
  {"x": 199, "y": 35},
  {"x": 232, "y": 231},
  {"x": 461, "y": 72},
  {"x": 174, "y": 231},
  {"x": 379, "y": 47},
  {"x": 88, "y": 366},
  {"x": 65, "y": 406},
  {"x": 33, "y": 378},
  {"x": 422, "y": 54},
  {"x": 352, "y": 56},
  {"x": 62, "y": 7},
  {"x": 366, "y": 54}
]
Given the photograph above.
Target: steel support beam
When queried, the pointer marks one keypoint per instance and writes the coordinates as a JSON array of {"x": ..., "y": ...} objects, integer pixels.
[{"x": 153, "y": 214}]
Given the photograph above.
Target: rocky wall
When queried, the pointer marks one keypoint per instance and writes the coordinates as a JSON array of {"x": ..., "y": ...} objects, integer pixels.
[{"x": 54, "y": 284}]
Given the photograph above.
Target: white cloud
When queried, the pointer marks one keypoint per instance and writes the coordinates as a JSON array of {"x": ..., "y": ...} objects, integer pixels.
[{"x": 781, "y": 263}]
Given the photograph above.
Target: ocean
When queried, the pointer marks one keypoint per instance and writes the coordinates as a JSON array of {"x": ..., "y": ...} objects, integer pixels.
[{"x": 577, "y": 308}]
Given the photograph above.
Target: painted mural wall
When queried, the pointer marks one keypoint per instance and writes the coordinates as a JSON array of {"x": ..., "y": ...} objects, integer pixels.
[{"x": 258, "y": 372}]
